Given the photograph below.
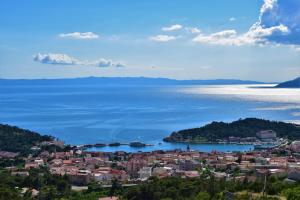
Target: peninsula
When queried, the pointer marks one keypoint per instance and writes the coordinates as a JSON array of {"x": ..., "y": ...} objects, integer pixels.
[
  {"x": 290, "y": 84},
  {"x": 243, "y": 128}
]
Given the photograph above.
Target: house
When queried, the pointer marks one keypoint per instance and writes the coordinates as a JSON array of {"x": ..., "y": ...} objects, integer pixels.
[
  {"x": 145, "y": 173},
  {"x": 220, "y": 175},
  {"x": 33, "y": 192},
  {"x": 266, "y": 135},
  {"x": 295, "y": 146},
  {"x": 20, "y": 173},
  {"x": 189, "y": 165},
  {"x": 108, "y": 198},
  {"x": 162, "y": 172},
  {"x": 294, "y": 174},
  {"x": 31, "y": 165},
  {"x": 262, "y": 173},
  {"x": 7, "y": 154},
  {"x": 67, "y": 162},
  {"x": 134, "y": 165},
  {"x": 56, "y": 162},
  {"x": 120, "y": 175},
  {"x": 191, "y": 174},
  {"x": 279, "y": 173},
  {"x": 80, "y": 178},
  {"x": 102, "y": 176},
  {"x": 39, "y": 161}
]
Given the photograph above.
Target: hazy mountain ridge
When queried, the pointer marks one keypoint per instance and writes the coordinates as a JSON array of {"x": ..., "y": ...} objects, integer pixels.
[
  {"x": 290, "y": 84},
  {"x": 125, "y": 81}
]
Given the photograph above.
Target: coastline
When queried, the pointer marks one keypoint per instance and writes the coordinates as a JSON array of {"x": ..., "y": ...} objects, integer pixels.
[{"x": 164, "y": 146}]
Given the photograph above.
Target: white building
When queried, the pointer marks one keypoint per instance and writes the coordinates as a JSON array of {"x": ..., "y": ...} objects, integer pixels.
[
  {"x": 145, "y": 173},
  {"x": 295, "y": 146}
]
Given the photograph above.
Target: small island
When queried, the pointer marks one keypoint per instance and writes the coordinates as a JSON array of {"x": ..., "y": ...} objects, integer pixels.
[
  {"x": 115, "y": 144},
  {"x": 243, "y": 130},
  {"x": 137, "y": 144}
]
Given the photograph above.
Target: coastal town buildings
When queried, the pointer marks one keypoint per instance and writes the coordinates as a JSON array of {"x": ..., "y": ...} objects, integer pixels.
[{"x": 83, "y": 167}]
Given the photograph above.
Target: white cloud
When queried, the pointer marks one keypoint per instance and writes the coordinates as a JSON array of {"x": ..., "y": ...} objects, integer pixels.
[
  {"x": 225, "y": 37},
  {"x": 256, "y": 35},
  {"x": 268, "y": 5},
  {"x": 174, "y": 27},
  {"x": 63, "y": 59},
  {"x": 79, "y": 35},
  {"x": 297, "y": 49},
  {"x": 281, "y": 12},
  {"x": 59, "y": 59},
  {"x": 268, "y": 29},
  {"x": 232, "y": 19},
  {"x": 162, "y": 38},
  {"x": 192, "y": 30},
  {"x": 106, "y": 63}
]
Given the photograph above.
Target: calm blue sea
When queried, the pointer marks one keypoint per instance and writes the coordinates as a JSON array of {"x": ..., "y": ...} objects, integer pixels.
[{"x": 80, "y": 114}]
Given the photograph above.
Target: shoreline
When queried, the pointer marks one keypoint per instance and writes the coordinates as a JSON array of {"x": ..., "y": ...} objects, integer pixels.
[
  {"x": 100, "y": 145},
  {"x": 208, "y": 147},
  {"x": 115, "y": 144}
]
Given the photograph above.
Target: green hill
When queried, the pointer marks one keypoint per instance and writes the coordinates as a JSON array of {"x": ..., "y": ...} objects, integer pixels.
[
  {"x": 15, "y": 139},
  {"x": 242, "y": 128}
]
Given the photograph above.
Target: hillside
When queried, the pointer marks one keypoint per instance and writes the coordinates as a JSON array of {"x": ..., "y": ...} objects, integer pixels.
[
  {"x": 242, "y": 128},
  {"x": 14, "y": 139},
  {"x": 290, "y": 84}
]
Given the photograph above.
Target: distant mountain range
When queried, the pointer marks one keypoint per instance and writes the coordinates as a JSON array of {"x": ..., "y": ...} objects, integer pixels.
[
  {"x": 123, "y": 81},
  {"x": 290, "y": 84}
]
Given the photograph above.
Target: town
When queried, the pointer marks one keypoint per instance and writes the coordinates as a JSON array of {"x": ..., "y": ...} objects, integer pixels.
[{"x": 129, "y": 169}]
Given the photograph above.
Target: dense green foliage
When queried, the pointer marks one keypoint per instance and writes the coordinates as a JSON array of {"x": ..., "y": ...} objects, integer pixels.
[
  {"x": 173, "y": 188},
  {"x": 14, "y": 139},
  {"x": 292, "y": 193},
  {"x": 208, "y": 188},
  {"x": 242, "y": 128},
  {"x": 49, "y": 186},
  {"x": 8, "y": 162}
]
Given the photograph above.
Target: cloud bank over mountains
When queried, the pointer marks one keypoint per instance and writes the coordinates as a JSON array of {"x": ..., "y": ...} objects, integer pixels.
[{"x": 63, "y": 59}]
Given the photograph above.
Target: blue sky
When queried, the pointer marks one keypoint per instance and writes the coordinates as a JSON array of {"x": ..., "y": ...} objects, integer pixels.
[{"x": 192, "y": 39}]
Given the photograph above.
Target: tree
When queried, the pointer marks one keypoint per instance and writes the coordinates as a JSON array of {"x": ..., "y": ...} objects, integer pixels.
[
  {"x": 115, "y": 186},
  {"x": 292, "y": 194},
  {"x": 94, "y": 187},
  {"x": 203, "y": 196}
]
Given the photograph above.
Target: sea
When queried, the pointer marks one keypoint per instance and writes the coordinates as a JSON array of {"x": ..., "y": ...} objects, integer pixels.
[{"x": 95, "y": 113}]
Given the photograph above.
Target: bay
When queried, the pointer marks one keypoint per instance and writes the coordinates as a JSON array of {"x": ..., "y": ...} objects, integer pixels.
[{"x": 89, "y": 114}]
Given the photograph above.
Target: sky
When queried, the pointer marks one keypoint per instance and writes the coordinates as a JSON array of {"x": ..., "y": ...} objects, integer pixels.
[{"x": 190, "y": 39}]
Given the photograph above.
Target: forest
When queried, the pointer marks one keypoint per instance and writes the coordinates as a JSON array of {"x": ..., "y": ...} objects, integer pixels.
[
  {"x": 241, "y": 128},
  {"x": 14, "y": 139}
]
